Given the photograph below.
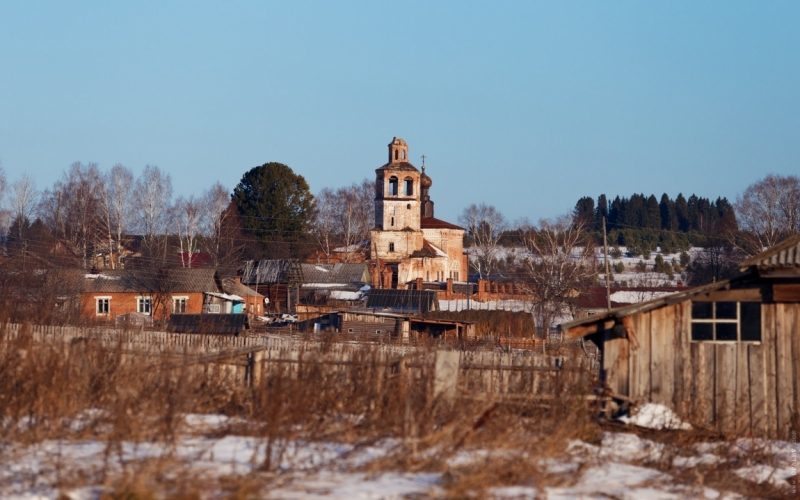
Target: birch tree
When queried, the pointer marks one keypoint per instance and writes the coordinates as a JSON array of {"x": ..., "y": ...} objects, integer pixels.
[
  {"x": 218, "y": 215},
  {"x": 118, "y": 206},
  {"x": 153, "y": 193},
  {"x": 188, "y": 218},
  {"x": 485, "y": 225}
]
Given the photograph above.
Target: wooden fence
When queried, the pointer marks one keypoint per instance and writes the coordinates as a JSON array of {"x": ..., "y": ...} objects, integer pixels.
[{"x": 249, "y": 359}]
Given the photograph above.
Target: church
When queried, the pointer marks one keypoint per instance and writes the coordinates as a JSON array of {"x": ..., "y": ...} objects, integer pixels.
[{"x": 408, "y": 243}]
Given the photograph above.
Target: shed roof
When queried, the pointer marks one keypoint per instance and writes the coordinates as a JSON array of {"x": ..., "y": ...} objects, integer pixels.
[
  {"x": 233, "y": 287},
  {"x": 220, "y": 324},
  {"x": 784, "y": 255},
  {"x": 423, "y": 301},
  {"x": 621, "y": 312},
  {"x": 335, "y": 273},
  {"x": 270, "y": 272}
]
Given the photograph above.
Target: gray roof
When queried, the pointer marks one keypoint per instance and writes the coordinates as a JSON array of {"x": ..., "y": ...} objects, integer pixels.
[
  {"x": 270, "y": 272},
  {"x": 335, "y": 273},
  {"x": 784, "y": 255},
  {"x": 180, "y": 280}
]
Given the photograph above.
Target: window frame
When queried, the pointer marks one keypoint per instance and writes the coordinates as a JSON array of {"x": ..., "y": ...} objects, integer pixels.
[
  {"x": 714, "y": 321},
  {"x": 142, "y": 300},
  {"x": 180, "y": 298},
  {"x": 107, "y": 300}
]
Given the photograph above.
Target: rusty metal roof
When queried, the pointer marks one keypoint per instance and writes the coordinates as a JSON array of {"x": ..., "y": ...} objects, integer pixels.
[
  {"x": 271, "y": 272},
  {"x": 785, "y": 254}
]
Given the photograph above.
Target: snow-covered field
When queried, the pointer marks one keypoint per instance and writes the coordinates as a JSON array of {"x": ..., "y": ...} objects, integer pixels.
[{"x": 214, "y": 460}]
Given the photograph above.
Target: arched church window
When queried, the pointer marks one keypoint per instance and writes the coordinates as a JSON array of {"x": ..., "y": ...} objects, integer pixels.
[
  {"x": 404, "y": 155},
  {"x": 395, "y": 154},
  {"x": 392, "y": 186},
  {"x": 409, "y": 186}
]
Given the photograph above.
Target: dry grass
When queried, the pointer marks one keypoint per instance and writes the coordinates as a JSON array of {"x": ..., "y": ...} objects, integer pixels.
[{"x": 144, "y": 399}]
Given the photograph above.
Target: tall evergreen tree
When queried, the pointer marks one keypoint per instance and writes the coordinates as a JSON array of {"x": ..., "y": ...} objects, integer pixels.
[
  {"x": 682, "y": 213},
  {"x": 652, "y": 213},
  {"x": 584, "y": 211},
  {"x": 600, "y": 212}
]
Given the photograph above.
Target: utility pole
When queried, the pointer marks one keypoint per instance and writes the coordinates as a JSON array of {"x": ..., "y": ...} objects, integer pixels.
[{"x": 605, "y": 258}]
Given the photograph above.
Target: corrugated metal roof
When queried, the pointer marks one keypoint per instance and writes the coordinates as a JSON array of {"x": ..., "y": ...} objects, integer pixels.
[
  {"x": 179, "y": 280},
  {"x": 422, "y": 301},
  {"x": 434, "y": 223},
  {"x": 270, "y": 272},
  {"x": 785, "y": 254},
  {"x": 232, "y": 287}
]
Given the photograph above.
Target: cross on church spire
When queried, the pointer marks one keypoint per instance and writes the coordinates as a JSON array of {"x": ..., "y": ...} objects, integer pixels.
[{"x": 423, "y": 163}]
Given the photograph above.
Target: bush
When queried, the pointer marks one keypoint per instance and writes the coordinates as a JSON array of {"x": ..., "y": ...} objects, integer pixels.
[
  {"x": 641, "y": 266},
  {"x": 684, "y": 259},
  {"x": 619, "y": 267},
  {"x": 615, "y": 252}
]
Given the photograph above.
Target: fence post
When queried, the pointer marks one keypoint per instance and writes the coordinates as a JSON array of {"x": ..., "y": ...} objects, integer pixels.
[{"x": 445, "y": 379}]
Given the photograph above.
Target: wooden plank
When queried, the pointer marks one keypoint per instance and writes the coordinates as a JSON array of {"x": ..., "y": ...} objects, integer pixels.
[
  {"x": 742, "y": 412},
  {"x": 703, "y": 366},
  {"x": 662, "y": 361},
  {"x": 725, "y": 387},
  {"x": 795, "y": 362},
  {"x": 739, "y": 295},
  {"x": 611, "y": 349},
  {"x": 784, "y": 322},
  {"x": 683, "y": 372},
  {"x": 786, "y": 292},
  {"x": 768, "y": 343},
  {"x": 639, "y": 366},
  {"x": 757, "y": 374}
]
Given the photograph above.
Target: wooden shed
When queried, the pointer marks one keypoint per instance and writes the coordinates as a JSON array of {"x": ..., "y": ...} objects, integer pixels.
[{"x": 724, "y": 355}]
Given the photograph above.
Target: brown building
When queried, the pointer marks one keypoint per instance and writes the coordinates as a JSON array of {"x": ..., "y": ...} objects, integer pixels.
[
  {"x": 408, "y": 242},
  {"x": 724, "y": 355},
  {"x": 158, "y": 293}
]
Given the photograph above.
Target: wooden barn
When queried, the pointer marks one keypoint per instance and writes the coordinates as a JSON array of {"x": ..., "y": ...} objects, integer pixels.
[{"x": 724, "y": 355}]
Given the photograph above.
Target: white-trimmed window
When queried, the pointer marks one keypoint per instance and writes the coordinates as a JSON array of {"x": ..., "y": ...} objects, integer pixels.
[
  {"x": 179, "y": 304},
  {"x": 726, "y": 321},
  {"x": 102, "y": 305},
  {"x": 213, "y": 308},
  {"x": 143, "y": 305}
]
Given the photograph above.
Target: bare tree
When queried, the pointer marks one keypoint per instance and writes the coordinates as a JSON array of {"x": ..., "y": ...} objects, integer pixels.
[
  {"x": 188, "y": 218},
  {"x": 323, "y": 226},
  {"x": 485, "y": 225},
  {"x": 217, "y": 217},
  {"x": 22, "y": 203},
  {"x": 153, "y": 194},
  {"x": 558, "y": 265},
  {"x": 768, "y": 212},
  {"x": 344, "y": 218},
  {"x": 118, "y": 207}
]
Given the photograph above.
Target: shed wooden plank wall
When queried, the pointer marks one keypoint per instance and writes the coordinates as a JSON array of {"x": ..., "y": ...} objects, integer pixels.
[{"x": 741, "y": 388}]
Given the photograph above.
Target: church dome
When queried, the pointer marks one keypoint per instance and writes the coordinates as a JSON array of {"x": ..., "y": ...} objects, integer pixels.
[{"x": 425, "y": 181}]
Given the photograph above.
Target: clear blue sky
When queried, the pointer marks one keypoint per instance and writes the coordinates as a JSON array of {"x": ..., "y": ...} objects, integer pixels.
[{"x": 523, "y": 105}]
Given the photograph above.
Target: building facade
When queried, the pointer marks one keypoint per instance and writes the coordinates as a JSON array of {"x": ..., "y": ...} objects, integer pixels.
[{"x": 408, "y": 242}]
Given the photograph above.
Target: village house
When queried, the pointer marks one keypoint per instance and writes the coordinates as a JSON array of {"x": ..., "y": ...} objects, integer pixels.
[
  {"x": 157, "y": 293},
  {"x": 408, "y": 242},
  {"x": 724, "y": 355}
]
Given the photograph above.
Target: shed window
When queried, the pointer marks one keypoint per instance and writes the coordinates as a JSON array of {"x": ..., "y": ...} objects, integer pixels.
[{"x": 726, "y": 321}]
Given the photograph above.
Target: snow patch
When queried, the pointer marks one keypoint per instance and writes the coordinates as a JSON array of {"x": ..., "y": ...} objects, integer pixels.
[{"x": 655, "y": 416}]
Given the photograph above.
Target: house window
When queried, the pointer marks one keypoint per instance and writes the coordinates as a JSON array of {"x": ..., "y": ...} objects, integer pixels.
[
  {"x": 726, "y": 321},
  {"x": 391, "y": 247},
  {"x": 143, "y": 305},
  {"x": 102, "y": 305},
  {"x": 179, "y": 305}
]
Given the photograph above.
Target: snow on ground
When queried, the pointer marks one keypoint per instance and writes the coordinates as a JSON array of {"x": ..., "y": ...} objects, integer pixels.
[
  {"x": 655, "y": 416},
  {"x": 621, "y": 465}
]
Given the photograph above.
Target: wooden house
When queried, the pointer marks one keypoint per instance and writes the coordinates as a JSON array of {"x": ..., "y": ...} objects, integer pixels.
[{"x": 724, "y": 355}]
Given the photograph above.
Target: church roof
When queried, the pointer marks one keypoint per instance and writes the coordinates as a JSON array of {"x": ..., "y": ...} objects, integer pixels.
[
  {"x": 399, "y": 165},
  {"x": 434, "y": 223}
]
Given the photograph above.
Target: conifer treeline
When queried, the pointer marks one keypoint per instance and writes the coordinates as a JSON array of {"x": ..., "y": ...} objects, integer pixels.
[{"x": 695, "y": 214}]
